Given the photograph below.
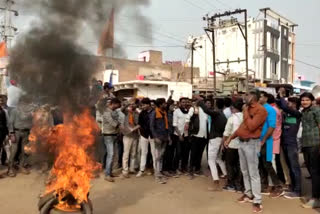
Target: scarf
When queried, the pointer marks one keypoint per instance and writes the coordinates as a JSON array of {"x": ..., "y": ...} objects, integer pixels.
[
  {"x": 162, "y": 114},
  {"x": 131, "y": 118},
  {"x": 183, "y": 110}
]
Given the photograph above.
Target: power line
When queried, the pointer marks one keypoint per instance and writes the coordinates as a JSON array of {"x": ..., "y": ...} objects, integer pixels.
[
  {"x": 308, "y": 64},
  {"x": 224, "y": 4},
  {"x": 194, "y": 5},
  {"x": 165, "y": 34}
]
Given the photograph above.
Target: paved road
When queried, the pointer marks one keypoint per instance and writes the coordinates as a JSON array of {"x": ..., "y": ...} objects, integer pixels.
[{"x": 138, "y": 196}]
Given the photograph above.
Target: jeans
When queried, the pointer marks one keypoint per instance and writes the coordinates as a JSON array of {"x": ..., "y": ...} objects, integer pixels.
[
  {"x": 159, "y": 149},
  {"x": 307, "y": 158},
  {"x": 314, "y": 154},
  {"x": 214, "y": 158},
  {"x": 143, "y": 146},
  {"x": 197, "y": 147},
  {"x": 109, "y": 142},
  {"x": 21, "y": 141},
  {"x": 292, "y": 158},
  {"x": 233, "y": 168},
  {"x": 182, "y": 153},
  {"x": 268, "y": 168},
  {"x": 249, "y": 162},
  {"x": 170, "y": 156}
]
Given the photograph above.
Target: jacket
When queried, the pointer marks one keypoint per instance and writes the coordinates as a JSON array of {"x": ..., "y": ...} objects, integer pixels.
[
  {"x": 110, "y": 122},
  {"x": 218, "y": 121},
  {"x": 144, "y": 122},
  {"x": 158, "y": 127},
  {"x": 290, "y": 123}
]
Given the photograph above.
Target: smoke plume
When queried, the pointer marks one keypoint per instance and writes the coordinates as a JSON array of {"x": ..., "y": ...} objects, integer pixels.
[{"x": 48, "y": 61}]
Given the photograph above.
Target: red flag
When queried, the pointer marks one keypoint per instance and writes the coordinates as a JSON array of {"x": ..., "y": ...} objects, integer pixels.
[
  {"x": 107, "y": 36},
  {"x": 3, "y": 49},
  {"x": 3, "y": 55}
]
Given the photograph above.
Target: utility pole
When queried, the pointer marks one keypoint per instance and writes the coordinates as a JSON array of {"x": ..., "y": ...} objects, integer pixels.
[
  {"x": 214, "y": 64},
  {"x": 8, "y": 30},
  {"x": 192, "y": 55},
  {"x": 211, "y": 28}
]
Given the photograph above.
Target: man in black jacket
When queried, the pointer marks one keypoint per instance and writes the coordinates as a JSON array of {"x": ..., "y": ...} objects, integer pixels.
[
  {"x": 290, "y": 128},
  {"x": 146, "y": 137},
  {"x": 218, "y": 123}
]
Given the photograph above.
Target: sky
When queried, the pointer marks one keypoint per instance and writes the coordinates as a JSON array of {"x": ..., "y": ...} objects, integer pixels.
[{"x": 174, "y": 20}]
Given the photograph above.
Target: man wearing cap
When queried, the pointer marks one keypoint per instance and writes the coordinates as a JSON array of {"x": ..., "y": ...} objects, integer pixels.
[
  {"x": 249, "y": 132},
  {"x": 13, "y": 91}
]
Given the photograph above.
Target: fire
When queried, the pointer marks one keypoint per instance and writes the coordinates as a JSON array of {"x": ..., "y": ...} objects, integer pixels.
[{"x": 73, "y": 167}]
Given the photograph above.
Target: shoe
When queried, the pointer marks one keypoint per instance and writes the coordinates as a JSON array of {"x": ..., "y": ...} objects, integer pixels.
[
  {"x": 215, "y": 187},
  {"x": 229, "y": 188},
  {"x": 160, "y": 180},
  {"x": 266, "y": 191},
  {"x": 312, "y": 204},
  {"x": 125, "y": 175},
  {"x": 166, "y": 174},
  {"x": 198, "y": 173},
  {"x": 291, "y": 195},
  {"x": 109, "y": 178},
  {"x": 24, "y": 171},
  {"x": 223, "y": 177},
  {"x": 179, "y": 172},
  {"x": 174, "y": 174},
  {"x": 140, "y": 174},
  {"x": 191, "y": 176},
  {"x": 245, "y": 199},
  {"x": 11, "y": 173},
  {"x": 257, "y": 208},
  {"x": 132, "y": 172},
  {"x": 277, "y": 193}
]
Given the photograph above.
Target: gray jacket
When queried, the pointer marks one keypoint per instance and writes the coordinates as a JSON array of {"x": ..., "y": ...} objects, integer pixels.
[
  {"x": 21, "y": 117},
  {"x": 110, "y": 122}
]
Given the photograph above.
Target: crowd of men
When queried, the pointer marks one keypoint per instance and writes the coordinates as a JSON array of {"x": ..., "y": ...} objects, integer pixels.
[{"x": 251, "y": 141}]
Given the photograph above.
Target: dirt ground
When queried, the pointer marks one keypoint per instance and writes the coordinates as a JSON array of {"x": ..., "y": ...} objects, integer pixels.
[{"x": 141, "y": 195}]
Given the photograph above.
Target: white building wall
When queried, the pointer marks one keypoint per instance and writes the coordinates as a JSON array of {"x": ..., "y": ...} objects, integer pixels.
[{"x": 230, "y": 45}]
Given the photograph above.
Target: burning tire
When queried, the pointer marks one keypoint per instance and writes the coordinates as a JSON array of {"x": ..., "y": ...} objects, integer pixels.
[{"x": 48, "y": 203}]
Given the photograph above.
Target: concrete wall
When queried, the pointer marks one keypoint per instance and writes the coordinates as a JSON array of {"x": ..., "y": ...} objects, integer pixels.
[{"x": 152, "y": 70}]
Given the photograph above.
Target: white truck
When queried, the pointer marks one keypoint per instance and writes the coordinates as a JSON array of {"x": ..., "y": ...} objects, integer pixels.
[{"x": 153, "y": 89}]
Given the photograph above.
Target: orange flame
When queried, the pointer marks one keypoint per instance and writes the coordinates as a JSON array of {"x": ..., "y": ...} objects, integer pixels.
[{"x": 73, "y": 167}]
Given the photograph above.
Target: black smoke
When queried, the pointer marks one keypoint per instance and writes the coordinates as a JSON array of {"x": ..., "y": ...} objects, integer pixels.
[{"x": 48, "y": 62}]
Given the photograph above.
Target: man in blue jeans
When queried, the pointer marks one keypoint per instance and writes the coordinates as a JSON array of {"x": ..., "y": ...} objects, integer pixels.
[
  {"x": 291, "y": 124},
  {"x": 110, "y": 130}
]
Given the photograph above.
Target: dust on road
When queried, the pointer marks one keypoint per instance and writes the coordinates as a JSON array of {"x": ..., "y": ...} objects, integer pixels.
[{"x": 142, "y": 195}]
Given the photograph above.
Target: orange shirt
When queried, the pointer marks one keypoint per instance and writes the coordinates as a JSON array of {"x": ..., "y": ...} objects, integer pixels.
[{"x": 254, "y": 117}]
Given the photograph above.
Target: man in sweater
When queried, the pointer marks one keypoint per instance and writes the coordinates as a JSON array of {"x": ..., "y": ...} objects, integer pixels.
[
  {"x": 249, "y": 132},
  {"x": 110, "y": 130},
  {"x": 130, "y": 138},
  {"x": 20, "y": 124}
]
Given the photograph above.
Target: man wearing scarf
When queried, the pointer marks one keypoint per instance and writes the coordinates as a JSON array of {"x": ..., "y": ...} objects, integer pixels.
[
  {"x": 159, "y": 128},
  {"x": 130, "y": 138},
  {"x": 180, "y": 137}
]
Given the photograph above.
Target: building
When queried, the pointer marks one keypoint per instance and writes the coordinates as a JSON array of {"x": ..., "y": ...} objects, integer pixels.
[
  {"x": 271, "y": 50},
  {"x": 153, "y": 89},
  {"x": 148, "y": 70}
]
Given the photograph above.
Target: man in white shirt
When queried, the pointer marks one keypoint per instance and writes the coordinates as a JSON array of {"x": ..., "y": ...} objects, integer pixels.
[
  {"x": 180, "y": 136},
  {"x": 232, "y": 157},
  {"x": 227, "y": 110},
  {"x": 197, "y": 124},
  {"x": 14, "y": 92}
]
